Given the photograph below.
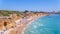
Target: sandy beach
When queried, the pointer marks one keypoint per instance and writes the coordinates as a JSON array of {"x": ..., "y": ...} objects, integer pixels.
[
  {"x": 27, "y": 22},
  {"x": 23, "y": 23}
]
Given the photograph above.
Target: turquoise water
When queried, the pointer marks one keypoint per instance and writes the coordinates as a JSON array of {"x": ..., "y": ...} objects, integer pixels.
[{"x": 45, "y": 25}]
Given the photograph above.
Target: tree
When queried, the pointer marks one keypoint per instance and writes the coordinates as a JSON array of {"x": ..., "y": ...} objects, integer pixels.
[{"x": 26, "y": 11}]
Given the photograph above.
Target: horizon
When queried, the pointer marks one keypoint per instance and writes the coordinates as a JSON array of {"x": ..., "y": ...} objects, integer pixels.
[
  {"x": 30, "y": 5},
  {"x": 30, "y": 11}
]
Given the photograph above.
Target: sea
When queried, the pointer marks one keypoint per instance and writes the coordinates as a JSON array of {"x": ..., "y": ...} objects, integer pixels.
[{"x": 45, "y": 25}]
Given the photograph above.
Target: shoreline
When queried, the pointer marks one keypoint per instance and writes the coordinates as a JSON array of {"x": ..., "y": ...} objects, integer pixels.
[
  {"x": 25, "y": 23},
  {"x": 33, "y": 19}
]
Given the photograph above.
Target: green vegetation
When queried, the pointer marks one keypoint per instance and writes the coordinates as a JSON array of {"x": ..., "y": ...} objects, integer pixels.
[
  {"x": 26, "y": 11},
  {"x": 7, "y": 13}
]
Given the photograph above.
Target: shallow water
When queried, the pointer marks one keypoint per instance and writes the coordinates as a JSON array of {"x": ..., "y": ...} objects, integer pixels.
[{"x": 45, "y": 25}]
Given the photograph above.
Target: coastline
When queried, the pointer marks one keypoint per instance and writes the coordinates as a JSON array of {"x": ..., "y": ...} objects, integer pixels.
[
  {"x": 33, "y": 19},
  {"x": 25, "y": 23}
]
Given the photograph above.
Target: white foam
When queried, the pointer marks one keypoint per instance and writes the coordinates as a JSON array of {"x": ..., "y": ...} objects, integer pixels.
[
  {"x": 40, "y": 24},
  {"x": 35, "y": 26}
]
